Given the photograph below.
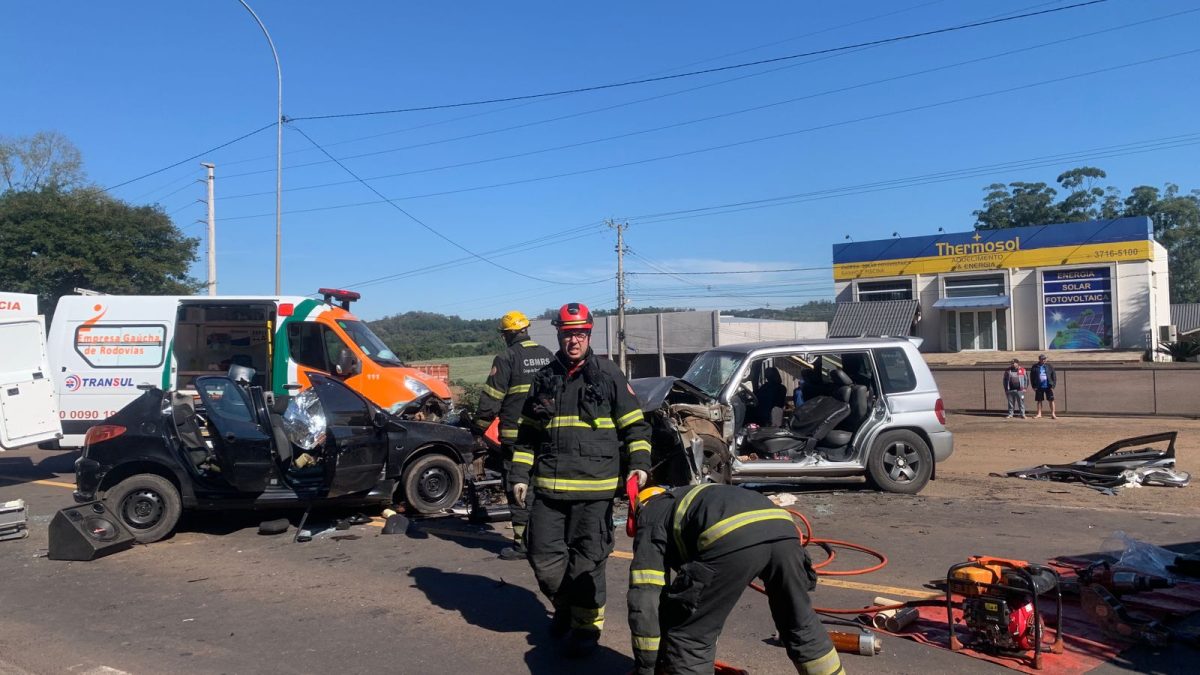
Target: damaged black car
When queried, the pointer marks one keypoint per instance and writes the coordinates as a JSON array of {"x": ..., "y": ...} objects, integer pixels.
[{"x": 227, "y": 448}]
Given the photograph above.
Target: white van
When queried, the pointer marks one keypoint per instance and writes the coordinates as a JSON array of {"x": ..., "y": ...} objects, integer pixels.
[{"x": 104, "y": 348}]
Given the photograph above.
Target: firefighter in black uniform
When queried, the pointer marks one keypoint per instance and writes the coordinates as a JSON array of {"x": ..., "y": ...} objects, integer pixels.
[
  {"x": 503, "y": 396},
  {"x": 715, "y": 539},
  {"x": 580, "y": 418}
]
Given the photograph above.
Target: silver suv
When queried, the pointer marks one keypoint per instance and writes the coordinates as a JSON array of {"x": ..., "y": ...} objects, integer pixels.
[{"x": 779, "y": 411}]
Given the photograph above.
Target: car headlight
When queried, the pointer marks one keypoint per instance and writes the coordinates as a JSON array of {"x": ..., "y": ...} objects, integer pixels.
[
  {"x": 416, "y": 386},
  {"x": 304, "y": 420}
]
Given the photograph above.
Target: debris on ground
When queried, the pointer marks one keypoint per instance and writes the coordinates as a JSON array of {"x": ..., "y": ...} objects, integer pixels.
[
  {"x": 783, "y": 499},
  {"x": 1130, "y": 462},
  {"x": 13, "y": 523},
  {"x": 277, "y": 526}
]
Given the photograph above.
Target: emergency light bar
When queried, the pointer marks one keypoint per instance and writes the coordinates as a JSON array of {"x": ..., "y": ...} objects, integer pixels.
[{"x": 344, "y": 297}]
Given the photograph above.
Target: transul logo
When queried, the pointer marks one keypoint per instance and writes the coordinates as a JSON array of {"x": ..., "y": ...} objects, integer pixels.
[{"x": 75, "y": 382}]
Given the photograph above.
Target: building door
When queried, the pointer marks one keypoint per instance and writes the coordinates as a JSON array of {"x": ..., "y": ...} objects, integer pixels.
[{"x": 976, "y": 330}]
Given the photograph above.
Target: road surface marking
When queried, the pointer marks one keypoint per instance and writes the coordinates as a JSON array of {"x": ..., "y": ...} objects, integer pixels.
[
  {"x": 625, "y": 555},
  {"x": 51, "y": 483}
]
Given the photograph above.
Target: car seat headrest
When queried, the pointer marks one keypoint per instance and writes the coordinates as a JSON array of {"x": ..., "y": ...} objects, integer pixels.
[{"x": 840, "y": 378}]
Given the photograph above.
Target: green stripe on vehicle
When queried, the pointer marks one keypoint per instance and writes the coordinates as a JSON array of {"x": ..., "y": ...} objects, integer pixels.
[{"x": 283, "y": 349}]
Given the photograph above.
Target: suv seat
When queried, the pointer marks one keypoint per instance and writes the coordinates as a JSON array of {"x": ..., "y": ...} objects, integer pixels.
[{"x": 811, "y": 422}]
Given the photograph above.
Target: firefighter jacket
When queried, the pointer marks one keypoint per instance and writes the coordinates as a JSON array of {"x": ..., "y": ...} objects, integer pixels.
[
  {"x": 685, "y": 524},
  {"x": 508, "y": 384},
  {"x": 576, "y": 425}
]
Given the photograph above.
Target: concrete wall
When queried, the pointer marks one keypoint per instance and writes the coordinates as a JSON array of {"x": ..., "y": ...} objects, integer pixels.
[
  {"x": 1141, "y": 389},
  {"x": 734, "y": 332}
]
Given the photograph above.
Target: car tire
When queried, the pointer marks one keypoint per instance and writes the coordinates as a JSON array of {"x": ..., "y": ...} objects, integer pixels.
[
  {"x": 432, "y": 483},
  {"x": 900, "y": 461},
  {"x": 147, "y": 504}
]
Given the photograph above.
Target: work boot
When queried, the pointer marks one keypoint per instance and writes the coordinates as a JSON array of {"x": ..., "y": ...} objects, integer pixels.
[
  {"x": 515, "y": 552},
  {"x": 582, "y": 643},
  {"x": 560, "y": 625}
]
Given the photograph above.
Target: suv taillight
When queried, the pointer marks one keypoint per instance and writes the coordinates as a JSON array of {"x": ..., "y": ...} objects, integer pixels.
[
  {"x": 102, "y": 432},
  {"x": 939, "y": 409}
]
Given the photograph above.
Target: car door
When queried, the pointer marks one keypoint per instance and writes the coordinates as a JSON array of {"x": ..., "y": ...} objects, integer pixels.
[
  {"x": 28, "y": 405},
  {"x": 242, "y": 445},
  {"x": 356, "y": 445}
]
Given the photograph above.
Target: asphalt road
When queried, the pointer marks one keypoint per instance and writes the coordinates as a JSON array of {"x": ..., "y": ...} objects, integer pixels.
[{"x": 220, "y": 598}]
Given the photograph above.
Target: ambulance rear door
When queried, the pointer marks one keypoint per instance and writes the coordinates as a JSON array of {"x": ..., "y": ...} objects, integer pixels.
[{"x": 28, "y": 406}]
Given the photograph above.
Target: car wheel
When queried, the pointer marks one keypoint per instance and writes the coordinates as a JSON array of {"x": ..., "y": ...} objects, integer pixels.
[
  {"x": 432, "y": 483},
  {"x": 900, "y": 462},
  {"x": 147, "y": 504}
]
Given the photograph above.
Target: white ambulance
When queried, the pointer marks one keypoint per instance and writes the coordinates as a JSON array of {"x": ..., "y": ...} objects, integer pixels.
[
  {"x": 28, "y": 405},
  {"x": 104, "y": 349}
]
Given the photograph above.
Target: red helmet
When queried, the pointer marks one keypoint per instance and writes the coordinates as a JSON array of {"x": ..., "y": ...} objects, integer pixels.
[{"x": 573, "y": 316}]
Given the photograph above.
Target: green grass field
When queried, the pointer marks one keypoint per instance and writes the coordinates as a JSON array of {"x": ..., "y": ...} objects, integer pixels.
[{"x": 469, "y": 369}]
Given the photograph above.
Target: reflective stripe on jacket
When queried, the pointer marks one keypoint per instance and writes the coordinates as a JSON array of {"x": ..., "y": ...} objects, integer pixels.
[
  {"x": 686, "y": 524},
  {"x": 575, "y": 428},
  {"x": 508, "y": 384}
]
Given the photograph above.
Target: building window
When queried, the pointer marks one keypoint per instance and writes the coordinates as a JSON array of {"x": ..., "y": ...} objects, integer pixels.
[
  {"x": 873, "y": 291},
  {"x": 974, "y": 287}
]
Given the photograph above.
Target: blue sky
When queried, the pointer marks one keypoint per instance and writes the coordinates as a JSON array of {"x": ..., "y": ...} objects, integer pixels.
[{"x": 141, "y": 85}]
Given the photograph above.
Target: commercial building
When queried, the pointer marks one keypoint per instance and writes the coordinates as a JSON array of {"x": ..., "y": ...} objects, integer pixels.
[{"x": 1091, "y": 285}]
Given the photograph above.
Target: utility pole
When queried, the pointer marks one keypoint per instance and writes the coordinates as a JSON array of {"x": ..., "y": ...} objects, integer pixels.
[
  {"x": 212, "y": 230},
  {"x": 620, "y": 228}
]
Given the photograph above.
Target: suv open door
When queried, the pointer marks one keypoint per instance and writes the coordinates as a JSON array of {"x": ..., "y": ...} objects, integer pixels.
[{"x": 28, "y": 404}]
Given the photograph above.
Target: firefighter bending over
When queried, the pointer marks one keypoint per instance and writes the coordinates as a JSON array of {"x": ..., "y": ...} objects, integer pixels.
[
  {"x": 714, "y": 540},
  {"x": 581, "y": 415},
  {"x": 503, "y": 396}
]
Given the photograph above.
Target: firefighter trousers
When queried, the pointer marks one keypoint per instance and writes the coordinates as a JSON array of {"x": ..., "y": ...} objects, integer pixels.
[
  {"x": 520, "y": 514},
  {"x": 704, "y": 592},
  {"x": 569, "y": 542}
]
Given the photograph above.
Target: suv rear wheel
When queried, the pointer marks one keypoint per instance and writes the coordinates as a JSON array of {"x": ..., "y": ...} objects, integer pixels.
[{"x": 900, "y": 461}]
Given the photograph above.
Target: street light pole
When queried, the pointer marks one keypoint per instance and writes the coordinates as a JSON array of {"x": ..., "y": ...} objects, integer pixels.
[
  {"x": 278, "y": 154},
  {"x": 212, "y": 229}
]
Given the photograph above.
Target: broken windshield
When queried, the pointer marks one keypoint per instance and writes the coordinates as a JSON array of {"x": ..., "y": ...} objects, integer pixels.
[{"x": 711, "y": 370}]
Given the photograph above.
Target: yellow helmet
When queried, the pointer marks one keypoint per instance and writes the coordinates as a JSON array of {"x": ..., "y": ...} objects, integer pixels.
[
  {"x": 646, "y": 493},
  {"x": 513, "y": 321}
]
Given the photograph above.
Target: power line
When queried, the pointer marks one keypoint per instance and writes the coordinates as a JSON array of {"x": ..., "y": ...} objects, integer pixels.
[
  {"x": 789, "y": 269},
  {"x": 193, "y": 157},
  {"x": 760, "y": 139},
  {"x": 693, "y": 73},
  {"x": 594, "y": 110},
  {"x": 1121, "y": 150},
  {"x": 520, "y": 247},
  {"x": 673, "y": 125},
  {"x": 426, "y": 226}
]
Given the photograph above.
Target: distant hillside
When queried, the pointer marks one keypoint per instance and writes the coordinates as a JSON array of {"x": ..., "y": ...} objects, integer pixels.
[
  {"x": 817, "y": 310},
  {"x": 418, "y": 336}
]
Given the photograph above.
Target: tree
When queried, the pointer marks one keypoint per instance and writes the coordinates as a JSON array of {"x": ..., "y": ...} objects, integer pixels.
[
  {"x": 52, "y": 241},
  {"x": 1025, "y": 204},
  {"x": 46, "y": 159},
  {"x": 1175, "y": 216}
]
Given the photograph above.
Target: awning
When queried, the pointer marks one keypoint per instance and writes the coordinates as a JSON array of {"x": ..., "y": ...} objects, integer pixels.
[{"x": 977, "y": 302}]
